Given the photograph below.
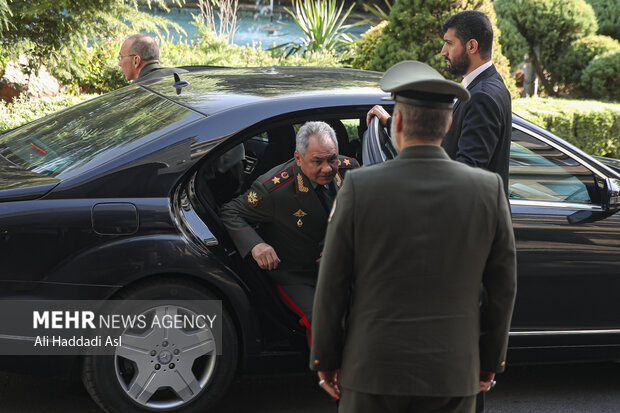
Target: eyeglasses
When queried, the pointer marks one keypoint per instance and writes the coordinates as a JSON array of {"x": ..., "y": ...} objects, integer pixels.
[{"x": 120, "y": 56}]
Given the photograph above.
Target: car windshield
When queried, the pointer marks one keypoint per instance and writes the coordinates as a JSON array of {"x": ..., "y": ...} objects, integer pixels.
[{"x": 75, "y": 136}]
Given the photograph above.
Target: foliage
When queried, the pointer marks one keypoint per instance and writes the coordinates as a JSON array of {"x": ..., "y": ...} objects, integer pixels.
[
  {"x": 94, "y": 71},
  {"x": 602, "y": 76},
  {"x": 514, "y": 45},
  {"x": 322, "y": 23},
  {"x": 23, "y": 110},
  {"x": 211, "y": 50},
  {"x": 52, "y": 30},
  {"x": 378, "y": 11},
  {"x": 227, "y": 16},
  {"x": 592, "y": 126},
  {"x": 414, "y": 33},
  {"x": 608, "y": 16},
  {"x": 576, "y": 56},
  {"x": 547, "y": 25},
  {"x": 364, "y": 48}
]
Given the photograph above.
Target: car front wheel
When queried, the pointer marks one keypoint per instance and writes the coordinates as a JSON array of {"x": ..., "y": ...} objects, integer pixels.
[{"x": 176, "y": 369}]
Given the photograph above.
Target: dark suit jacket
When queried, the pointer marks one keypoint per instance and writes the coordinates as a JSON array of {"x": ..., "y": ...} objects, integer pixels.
[
  {"x": 481, "y": 127},
  {"x": 290, "y": 215},
  {"x": 155, "y": 71},
  {"x": 413, "y": 239}
]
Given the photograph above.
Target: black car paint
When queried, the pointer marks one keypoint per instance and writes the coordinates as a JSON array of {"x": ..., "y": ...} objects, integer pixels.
[{"x": 51, "y": 248}]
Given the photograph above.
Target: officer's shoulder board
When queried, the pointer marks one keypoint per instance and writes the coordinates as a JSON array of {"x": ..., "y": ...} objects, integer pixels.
[
  {"x": 344, "y": 162},
  {"x": 278, "y": 179}
]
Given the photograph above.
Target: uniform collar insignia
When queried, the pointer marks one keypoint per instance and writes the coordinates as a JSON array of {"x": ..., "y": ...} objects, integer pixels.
[
  {"x": 338, "y": 180},
  {"x": 302, "y": 183}
]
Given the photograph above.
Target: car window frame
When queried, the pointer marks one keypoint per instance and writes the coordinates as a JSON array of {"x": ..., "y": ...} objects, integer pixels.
[{"x": 598, "y": 176}]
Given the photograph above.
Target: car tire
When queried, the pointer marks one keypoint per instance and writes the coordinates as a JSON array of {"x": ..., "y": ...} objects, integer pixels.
[{"x": 109, "y": 383}]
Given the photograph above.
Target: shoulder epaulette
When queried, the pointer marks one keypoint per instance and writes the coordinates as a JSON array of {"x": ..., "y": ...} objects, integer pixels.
[
  {"x": 279, "y": 179},
  {"x": 344, "y": 162}
]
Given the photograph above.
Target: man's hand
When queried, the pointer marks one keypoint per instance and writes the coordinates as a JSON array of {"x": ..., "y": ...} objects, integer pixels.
[
  {"x": 265, "y": 256},
  {"x": 330, "y": 382},
  {"x": 486, "y": 380},
  {"x": 379, "y": 112}
]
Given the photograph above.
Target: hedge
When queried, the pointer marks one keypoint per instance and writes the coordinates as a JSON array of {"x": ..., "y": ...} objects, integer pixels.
[{"x": 592, "y": 126}]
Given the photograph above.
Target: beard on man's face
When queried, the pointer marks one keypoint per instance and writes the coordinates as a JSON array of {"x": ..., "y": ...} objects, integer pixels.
[{"x": 459, "y": 64}]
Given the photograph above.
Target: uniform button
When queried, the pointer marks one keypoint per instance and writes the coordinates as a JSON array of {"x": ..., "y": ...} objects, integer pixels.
[
  {"x": 316, "y": 362},
  {"x": 503, "y": 364}
]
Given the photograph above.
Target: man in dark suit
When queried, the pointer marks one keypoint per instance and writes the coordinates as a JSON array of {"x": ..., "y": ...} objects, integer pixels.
[
  {"x": 290, "y": 204},
  {"x": 396, "y": 311},
  {"x": 139, "y": 59},
  {"x": 481, "y": 127}
]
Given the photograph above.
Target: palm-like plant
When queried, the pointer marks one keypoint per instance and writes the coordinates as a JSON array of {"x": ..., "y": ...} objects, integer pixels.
[
  {"x": 322, "y": 22},
  {"x": 378, "y": 11}
]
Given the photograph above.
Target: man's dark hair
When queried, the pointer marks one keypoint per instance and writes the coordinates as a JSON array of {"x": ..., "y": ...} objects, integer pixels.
[
  {"x": 472, "y": 24},
  {"x": 144, "y": 46},
  {"x": 424, "y": 123}
]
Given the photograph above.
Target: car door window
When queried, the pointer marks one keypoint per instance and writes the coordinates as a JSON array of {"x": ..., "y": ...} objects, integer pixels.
[{"x": 540, "y": 172}]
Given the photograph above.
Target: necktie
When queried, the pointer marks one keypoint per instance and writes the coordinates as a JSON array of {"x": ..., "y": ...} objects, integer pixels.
[{"x": 324, "y": 197}]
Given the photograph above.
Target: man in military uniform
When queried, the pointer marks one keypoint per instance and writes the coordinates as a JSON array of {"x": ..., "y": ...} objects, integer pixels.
[
  {"x": 290, "y": 204},
  {"x": 396, "y": 311},
  {"x": 139, "y": 59}
]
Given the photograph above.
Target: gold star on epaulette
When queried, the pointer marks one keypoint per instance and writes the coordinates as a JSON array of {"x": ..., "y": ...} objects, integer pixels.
[
  {"x": 347, "y": 162},
  {"x": 275, "y": 180}
]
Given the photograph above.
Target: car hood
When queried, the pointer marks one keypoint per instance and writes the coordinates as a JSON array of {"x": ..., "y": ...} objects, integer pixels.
[{"x": 19, "y": 184}]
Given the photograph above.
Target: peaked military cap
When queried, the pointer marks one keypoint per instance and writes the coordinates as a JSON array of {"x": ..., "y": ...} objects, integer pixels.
[{"x": 418, "y": 84}]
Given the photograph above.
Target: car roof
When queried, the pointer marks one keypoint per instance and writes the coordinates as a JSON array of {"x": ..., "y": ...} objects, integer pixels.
[{"x": 216, "y": 90}]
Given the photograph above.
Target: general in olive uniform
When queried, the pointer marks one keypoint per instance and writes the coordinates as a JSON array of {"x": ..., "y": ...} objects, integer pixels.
[
  {"x": 281, "y": 219},
  {"x": 408, "y": 245}
]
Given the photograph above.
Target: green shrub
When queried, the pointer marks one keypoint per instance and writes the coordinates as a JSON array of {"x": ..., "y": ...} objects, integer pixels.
[
  {"x": 414, "y": 33},
  {"x": 547, "y": 25},
  {"x": 94, "y": 71},
  {"x": 577, "y": 56},
  {"x": 23, "y": 110},
  {"x": 608, "y": 16},
  {"x": 592, "y": 126},
  {"x": 602, "y": 76},
  {"x": 514, "y": 46},
  {"x": 213, "y": 51},
  {"x": 364, "y": 48}
]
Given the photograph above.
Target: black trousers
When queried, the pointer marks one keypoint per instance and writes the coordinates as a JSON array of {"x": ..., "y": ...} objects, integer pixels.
[
  {"x": 480, "y": 402},
  {"x": 356, "y": 402}
]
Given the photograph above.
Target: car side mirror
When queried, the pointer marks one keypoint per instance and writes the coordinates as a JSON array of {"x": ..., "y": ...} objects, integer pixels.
[
  {"x": 611, "y": 199},
  {"x": 610, "y": 204}
]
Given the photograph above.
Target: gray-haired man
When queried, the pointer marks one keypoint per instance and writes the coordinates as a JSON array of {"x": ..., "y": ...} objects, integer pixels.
[
  {"x": 139, "y": 59},
  {"x": 290, "y": 205}
]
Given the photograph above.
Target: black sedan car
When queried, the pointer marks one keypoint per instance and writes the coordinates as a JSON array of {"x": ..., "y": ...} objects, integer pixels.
[{"x": 117, "y": 199}]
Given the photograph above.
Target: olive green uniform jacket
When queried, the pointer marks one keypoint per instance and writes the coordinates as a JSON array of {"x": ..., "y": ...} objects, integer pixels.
[
  {"x": 282, "y": 209},
  {"x": 155, "y": 71},
  {"x": 413, "y": 239}
]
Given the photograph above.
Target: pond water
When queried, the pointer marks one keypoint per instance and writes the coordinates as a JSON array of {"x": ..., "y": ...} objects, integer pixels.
[{"x": 259, "y": 25}]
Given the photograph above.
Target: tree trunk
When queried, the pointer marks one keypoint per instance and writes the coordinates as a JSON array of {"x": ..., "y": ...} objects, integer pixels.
[{"x": 545, "y": 82}]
